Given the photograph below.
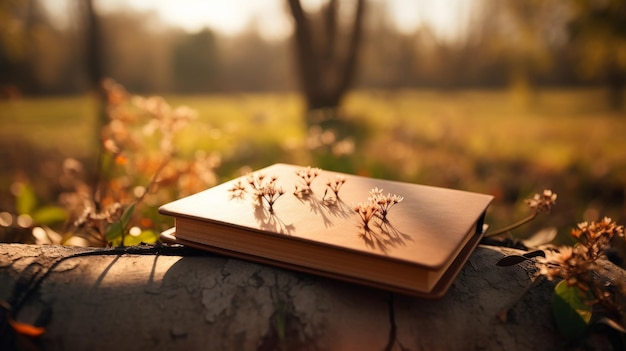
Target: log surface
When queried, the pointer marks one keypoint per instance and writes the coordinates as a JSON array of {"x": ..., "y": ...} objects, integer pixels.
[{"x": 196, "y": 301}]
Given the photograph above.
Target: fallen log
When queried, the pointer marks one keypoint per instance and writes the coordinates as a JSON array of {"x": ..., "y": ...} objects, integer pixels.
[{"x": 165, "y": 298}]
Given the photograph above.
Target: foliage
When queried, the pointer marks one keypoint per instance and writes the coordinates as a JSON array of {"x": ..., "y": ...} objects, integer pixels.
[
  {"x": 571, "y": 309},
  {"x": 499, "y": 43},
  {"x": 138, "y": 169},
  {"x": 584, "y": 296},
  {"x": 598, "y": 30},
  {"x": 480, "y": 140}
]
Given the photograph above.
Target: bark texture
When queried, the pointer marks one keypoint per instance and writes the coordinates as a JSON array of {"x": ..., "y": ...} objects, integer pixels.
[{"x": 173, "y": 298}]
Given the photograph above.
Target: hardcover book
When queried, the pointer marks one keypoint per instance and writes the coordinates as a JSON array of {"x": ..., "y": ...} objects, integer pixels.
[{"x": 402, "y": 237}]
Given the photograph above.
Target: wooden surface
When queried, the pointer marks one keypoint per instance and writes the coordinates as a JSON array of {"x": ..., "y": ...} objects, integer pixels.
[{"x": 187, "y": 300}]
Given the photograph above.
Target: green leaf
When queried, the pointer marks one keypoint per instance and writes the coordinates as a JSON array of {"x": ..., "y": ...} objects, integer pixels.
[
  {"x": 127, "y": 215},
  {"x": 114, "y": 231},
  {"x": 49, "y": 215},
  {"x": 25, "y": 199},
  {"x": 146, "y": 236},
  {"x": 572, "y": 310}
]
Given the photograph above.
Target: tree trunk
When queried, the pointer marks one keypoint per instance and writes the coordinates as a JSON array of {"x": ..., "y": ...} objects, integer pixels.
[
  {"x": 326, "y": 71},
  {"x": 93, "y": 47},
  {"x": 175, "y": 298}
]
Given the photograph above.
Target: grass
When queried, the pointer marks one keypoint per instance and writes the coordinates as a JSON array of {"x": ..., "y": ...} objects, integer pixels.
[
  {"x": 486, "y": 141},
  {"x": 64, "y": 124}
]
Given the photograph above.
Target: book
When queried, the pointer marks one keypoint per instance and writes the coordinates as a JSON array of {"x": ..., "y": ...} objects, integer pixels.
[{"x": 402, "y": 237}]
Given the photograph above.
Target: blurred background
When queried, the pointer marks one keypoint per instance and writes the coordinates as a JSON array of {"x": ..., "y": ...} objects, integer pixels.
[{"x": 502, "y": 97}]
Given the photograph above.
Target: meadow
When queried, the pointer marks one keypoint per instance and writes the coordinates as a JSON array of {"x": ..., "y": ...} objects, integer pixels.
[{"x": 495, "y": 142}]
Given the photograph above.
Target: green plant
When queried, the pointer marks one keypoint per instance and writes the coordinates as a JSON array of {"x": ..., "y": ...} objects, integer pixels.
[
  {"x": 584, "y": 296},
  {"x": 582, "y": 285},
  {"x": 138, "y": 168}
]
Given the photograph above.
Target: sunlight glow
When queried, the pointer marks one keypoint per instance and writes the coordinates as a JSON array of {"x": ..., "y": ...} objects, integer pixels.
[
  {"x": 270, "y": 17},
  {"x": 228, "y": 17},
  {"x": 445, "y": 17}
]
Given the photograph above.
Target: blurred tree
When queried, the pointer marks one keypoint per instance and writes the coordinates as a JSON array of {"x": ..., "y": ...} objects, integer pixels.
[
  {"x": 20, "y": 22},
  {"x": 195, "y": 63},
  {"x": 138, "y": 51},
  {"x": 12, "y": 45},
  {"x": 391, "y": 57},
  {"x": 598, "y": 30},
  {"x": 326, "y": 71},
  {"x": 250, "y": 63},
  {"x": 93, "y": 47},
  {"x": 517, "y": 34}
]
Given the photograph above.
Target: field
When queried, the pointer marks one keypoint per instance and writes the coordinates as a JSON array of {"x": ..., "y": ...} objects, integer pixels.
[{"x": 484, "y": 141}]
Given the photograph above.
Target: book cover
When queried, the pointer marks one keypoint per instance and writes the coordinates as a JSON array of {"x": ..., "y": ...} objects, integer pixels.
[{"x": 332, "y": 224}]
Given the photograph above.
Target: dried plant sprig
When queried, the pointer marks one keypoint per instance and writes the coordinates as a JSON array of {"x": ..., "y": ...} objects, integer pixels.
[
  {"x": 366, "y": 211},
  {"x": 384, "y": 202},
  {"x": 568, "y": 263},
  {"x": 538, "y": 203},
  {"x": 542, "y": 202},
  {"x": 95, "y": 223},
  {"x": 270, "y": 193},
  {"x": 596, "y": 236},
  {"x": 92, "y": 218},
  {"x": 307, "y": 175},
  {"x": 377, "y": 205},
  {"x": 335, "y": 185},
  {"x": 262, "y": 187},
  {"x": 581, "y": 273},
  {"x": 578, "y": 266}
]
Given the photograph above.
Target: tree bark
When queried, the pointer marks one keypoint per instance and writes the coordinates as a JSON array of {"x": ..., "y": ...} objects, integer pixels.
[{"x": 176, "y": 298}]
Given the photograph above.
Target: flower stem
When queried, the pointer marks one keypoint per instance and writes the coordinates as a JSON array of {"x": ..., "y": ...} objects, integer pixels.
[{"x": 512, "y": 226}]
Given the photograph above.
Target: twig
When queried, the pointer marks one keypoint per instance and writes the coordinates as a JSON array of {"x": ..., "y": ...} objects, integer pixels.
[{"x": 512, "y": 226}]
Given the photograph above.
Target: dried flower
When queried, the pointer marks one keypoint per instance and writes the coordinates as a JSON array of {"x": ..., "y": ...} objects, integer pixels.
[
  {"x": 576, "y": 264},
  {"x": 592, "y": 231},
  {"x": 263, "y": 188},
  {"x": 377, "y": 205},
  {"x": 307, "y": 175},
  {"x": 579, "y": 269},
  {"x": 539, "y": 203},
  {"x": 384, "y": 202},
  {"x": 335, "y": 185},
  {"x": 139, "y": 163},
  {"x": 542, "y": 202},
  {"x": 90, "y": 216},
  {"x": 572, "y": 264},
  {"x": 596, "y": 236},
  {"x": 270, "y": 193},
  {"x": 366, "y": 211}
]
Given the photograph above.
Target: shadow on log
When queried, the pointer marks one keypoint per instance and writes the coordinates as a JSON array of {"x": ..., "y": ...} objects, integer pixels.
[{"x": 175, "y": 298}]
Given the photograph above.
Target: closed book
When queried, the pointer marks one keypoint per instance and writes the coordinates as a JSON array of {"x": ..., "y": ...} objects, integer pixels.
[{"x": 416, "y": 247}]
